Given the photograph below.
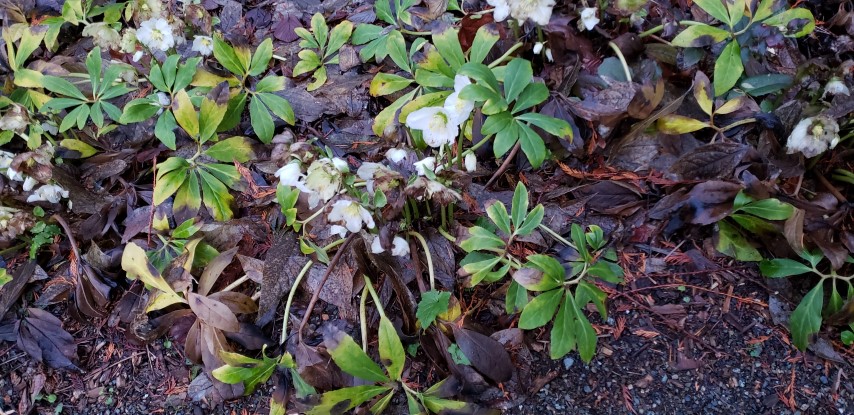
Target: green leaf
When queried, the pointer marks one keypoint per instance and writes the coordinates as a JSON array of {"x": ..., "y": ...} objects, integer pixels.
[
  {"x": 770, "y": 209},
  {"x": 241, "y": 369},
  {"x": 587, "y": 292},
  {"x": 457, "y": 355},
  {"x": 806, "y": 319},
  {"x": 60, "y": 86},
  {"x": 532, "y": 221},
  {"x": 170, "y": 70},
  {"x": 386, "y": 116},
  {"x": 365, "y": 33},
  {"x": 847, "y": 337},
  {"x": 185, "y": 73},
  {"x": 554, "y": 126},
  {"x": 211, "y": 115},
  {"x": 97, "y": 115},
  {"x": 448, "y": 43},
  {"x": 391, "y": 350},
  {"x": 766, "y": 84},
  {"x": 788, "y": 20},
  {"x": 484, "y": 40},
  {"x": 562, "y": 337},
  {"x": 519, "y": 208},
  {"x": 728, "y": 68},
  {"x": 584, "y": 333},
  {"x": 736, "y": 11},
  {"x": 168, "y": 183},
  {"x": 227, "y": 57},
  {"x": 308, "y": 40},
  {"x": 386, "y": 84},
  {"x": 518, "y": 75},
  {"x": 93, "y": 67},
  {"x": 231, "y": 149},
  {"x": 732, "y": 243},
  {"x": 532, "y": 145},
  {"x": 261, "y": 57},
  {"x": 270, "y": 84},
  {"x": 700, "y": 35},
  {"x": 497, "y": 212},
  {"x": 715, "y": 8},
  {"x": 342, "y": 400},
  {"x": 338, "y": 37},
  {"x": 541, "y": 309},
  {"x": 216, "y": 196},
  {"x": 481, "y": 74},
  {"x": 481, "y": 238},
  {"x": 432, "y": 304},
  {"x": 754, "y": 224},
  {"x": 262, "y": 121},
  {"x": 320, "y": 29},
  {"x": 678, "y": 124},
  {"x": 279, "y": 106},
  {"x": 165, "y": 129},
  {"x": 351, "y": 359},
  {"x": 516, "y": 298},
  {"x": 185, "y": 113},
  {"x": 81, "y": 147},
  {"x": 552, "y": 270},
  {"x": 155, "y": 76},
  {"x": 533, "y": 94},
  {"x": 764, "y": 10},
  {"x": 782, "y": 267},
  {"x": 138, "y": 110},
  {"x": 71, "y": 118},
  {"x": 319, "y": 79},
  {"x": 480, "y": 266}
]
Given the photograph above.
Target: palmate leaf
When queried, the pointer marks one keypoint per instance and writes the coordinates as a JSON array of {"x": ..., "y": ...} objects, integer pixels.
[
  {"x": 216, "y": 196},
  {"x": 541, "y": 309}
]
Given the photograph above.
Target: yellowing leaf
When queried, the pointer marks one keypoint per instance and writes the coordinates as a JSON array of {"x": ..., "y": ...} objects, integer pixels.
[
  {"x": 136, "y": 265},
  {"x": 677, "y": 124}
]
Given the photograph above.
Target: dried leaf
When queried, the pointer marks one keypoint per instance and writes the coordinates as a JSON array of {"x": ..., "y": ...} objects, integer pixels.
[
  {"x": 213, "y": 312},
  {"x": 486, "y": 355},
  {"x": 712, "y": 161},
  {"x": 41, "y": 336}
]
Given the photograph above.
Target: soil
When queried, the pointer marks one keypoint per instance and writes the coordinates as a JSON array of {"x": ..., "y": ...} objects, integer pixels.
[{"x": 673, "y": 344}]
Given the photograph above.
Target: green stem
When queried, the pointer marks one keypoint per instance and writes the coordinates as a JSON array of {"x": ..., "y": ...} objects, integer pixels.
[
  {"x": 429, "y": 256},
  {"x": 291, "y": 295},
  {"x": 414, "y": 33},
  {"x": 651, "y": 32},
  {"x": 738, "y": 123},
  {"x": 556, "y": 236},
  {"x": 363, "y": 316},
  {"x": 622, "y": 60},
  {"x": 505, "y": 55},
  {"x": 377, "y": 301},
  {"x": 447, "y": 235}
]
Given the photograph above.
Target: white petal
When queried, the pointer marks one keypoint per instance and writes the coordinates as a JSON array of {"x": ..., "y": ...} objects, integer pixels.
[
  {"x": 458, "y": 110},
  {"x": 470, "y": 162},
  {"x": 338, "y": 230},
  {"x": 538, "y": 47},
  {"x": 395, "y": 154},
  {"x": 421, "y": 119},
  {"x": 588, "y": 17},
  {"x": 400, "y": 248},
  {"x": 460, "y": 82},
  {"x": 376, "y": 246},
  {"x": 29, "y": 184}
]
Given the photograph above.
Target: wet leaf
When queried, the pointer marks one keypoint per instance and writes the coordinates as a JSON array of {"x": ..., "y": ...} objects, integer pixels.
[
  {"x": 485, "y": 354},
  {"x": 41, "y": 335},
  {"x": 213, "y": 312}
]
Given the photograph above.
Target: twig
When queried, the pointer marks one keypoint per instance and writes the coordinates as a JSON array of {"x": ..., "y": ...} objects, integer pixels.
[
  {"x": 504, "y": 166},
  {"x": 316, "y": 294}
]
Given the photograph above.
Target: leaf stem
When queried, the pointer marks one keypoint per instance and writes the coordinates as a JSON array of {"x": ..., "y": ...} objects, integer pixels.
[
  {"x": 376, "y": 297},
  {"x": 363, "y": 317},
  {"x": 622, "y": 58},
  {"x": 505, "y": 55},
  {"x": 429, "y": 256},
  {"x": 291, "y": 295},
  {"x": 556, "y": 236}
]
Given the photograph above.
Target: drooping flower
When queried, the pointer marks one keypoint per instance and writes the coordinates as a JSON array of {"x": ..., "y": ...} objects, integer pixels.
[
  {"x": 377, "y": 175},
  {"x": 395, "y": 155},
  {"x": 589, "y": 18},
  {"x": 399, "y": 246},
  {"x": 156, "y": 34},
  {"x": 539, "y": 11},
  {"x": 538, "y": 47},
  {"x": 429, "y": 163},
  {"x": 103, "y": 35},
  {"x": 323, "y": 179},
  {"x": 203, "y": 45},
  {"x": 15, "y": 119},
  {"x": 458, "y": 109},
  {"x": 128, "y": 42},
  {"x": 52, "y": 193},
  {"x": 436, "y": 124},
  {"x": 291, "y": 175},
  {"x": 29, "y": 183},
  {"x": 351, "y": 214},
  {"x": 340, "y": 164},
  {"x": 836, "y": 87},
  {"x": 813, "y": 136},
  {"x": 470, "y": 162}
]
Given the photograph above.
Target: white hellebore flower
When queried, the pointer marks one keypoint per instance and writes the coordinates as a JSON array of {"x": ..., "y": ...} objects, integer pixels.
[
  {"x": 436, "y": 124},
  {"x": 589, "y": 18},
  {"x": 813, "y": 136},
  {"x": 323, "y": 179},
  {"x": 352, "y": 214},
  {"x": 203, "y": 45},
  {"x": 395, "y": 155},
  {"x": 539, "y": 11},
  {"x": 137, "y": 55},
  {"x": 341, "y": 165},
  {"x": 291, "y": 175},
  {"x": 52, "y": 193},
  {"x": 103, "y": 35},
  {"x": 429, "y": 163},
  {"x": 836, "y": 87},
  {"x": 399, "y": 246},
  {"x": 156, "y": 34},
  {"x": 470, "y": 162},
  {"x": 458, "y": 110},
  {"x": 29, "y": 183},
  {"x": 538, "y": 47}
]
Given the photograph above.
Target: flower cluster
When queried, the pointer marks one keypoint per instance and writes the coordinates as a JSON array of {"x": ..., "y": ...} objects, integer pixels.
[
  {"x": 321, "y": 182},
  {"x": 441, "y": 125},
  {"x": 813, "y": 136},
  {"x": 51, "y": 193},
  {"x": 539, "y": 11}
]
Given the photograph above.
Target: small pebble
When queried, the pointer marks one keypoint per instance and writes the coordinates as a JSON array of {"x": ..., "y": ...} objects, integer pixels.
[{"x": 568, "y": 362}]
